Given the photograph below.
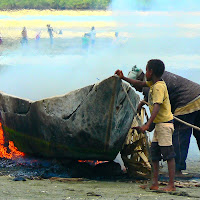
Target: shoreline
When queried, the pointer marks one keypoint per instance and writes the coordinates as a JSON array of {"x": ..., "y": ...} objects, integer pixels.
[
  {"x": 12, "y": 27},
  {"x": 55, "y": 12}
]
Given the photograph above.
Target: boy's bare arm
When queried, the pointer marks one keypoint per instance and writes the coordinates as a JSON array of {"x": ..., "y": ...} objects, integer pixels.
[
  {"x": 134, "y": 83},
  {"x": 154, "y": 113},
  {"x": 156, "y": 108}
]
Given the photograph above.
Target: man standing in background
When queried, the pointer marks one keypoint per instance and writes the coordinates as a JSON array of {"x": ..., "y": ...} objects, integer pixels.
[
  {"x": 1, "y": 41},
  {"x": 92, "y": 36},
  {"x": 50, "y": 31},
  {"x": 24, "y": 40}
]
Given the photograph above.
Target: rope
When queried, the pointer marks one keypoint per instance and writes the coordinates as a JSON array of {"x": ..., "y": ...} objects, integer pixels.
[
  {"x": 134, "y": 110},
  {"x": 182, "y": 121},
  {"x": 176, "y": 118},
  {"x": 186, "y": 123},
  {"x": 146, "y": 136}
]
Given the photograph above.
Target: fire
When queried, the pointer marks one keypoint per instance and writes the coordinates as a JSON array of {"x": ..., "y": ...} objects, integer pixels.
[
  {"x": 13, "y": 151},
  {"x": 92, "y": 162}
]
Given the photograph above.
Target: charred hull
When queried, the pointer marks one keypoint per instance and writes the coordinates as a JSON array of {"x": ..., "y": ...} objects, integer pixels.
[{"x": 88, "y": 123}]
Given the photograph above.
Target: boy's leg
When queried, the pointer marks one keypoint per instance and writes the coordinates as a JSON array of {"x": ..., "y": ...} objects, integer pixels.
[
  {"x": 168, "y": 154},
  {"x": 156, "y": 157},
  {"x": 165, "y": 131},
  {"x": 171, "y": 170},
  {"x": 155, "y": 185}
]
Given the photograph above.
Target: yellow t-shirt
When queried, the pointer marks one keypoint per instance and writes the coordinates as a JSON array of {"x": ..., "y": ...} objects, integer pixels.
[{"x": 158, "y": 93}]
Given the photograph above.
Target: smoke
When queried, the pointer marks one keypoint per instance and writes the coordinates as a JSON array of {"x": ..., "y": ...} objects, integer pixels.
[
  {"x": 155, "y": 5},
  {"x": 130, "y": 5},
  {"x": 40, "y": 76},
  {"x": 147, "y": 29},
  {"x": 163, "y": 29}
]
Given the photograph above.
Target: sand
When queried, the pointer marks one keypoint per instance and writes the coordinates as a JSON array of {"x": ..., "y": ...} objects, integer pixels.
[
  {"x": 12, "y": 24},
  {"x": 47, "y": 189}
]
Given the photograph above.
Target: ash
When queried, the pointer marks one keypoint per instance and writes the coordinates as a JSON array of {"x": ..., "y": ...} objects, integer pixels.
[{"x": 34, "y": 168}]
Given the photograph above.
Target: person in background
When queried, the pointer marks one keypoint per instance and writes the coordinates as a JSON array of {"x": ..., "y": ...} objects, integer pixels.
[
  {"x": 1, "y": 40},
  {"x": 184, "y": 97},
  {"x": 116, "y": 40},
  {"x": 161, "y": 115},
  {"x": 24, "y": 40},
  {"x": 92, "y": 36},
  {"x": 50, "y": 31},
  {"x": 37, "y": 38},
  {"x": 85, "y": 41}
]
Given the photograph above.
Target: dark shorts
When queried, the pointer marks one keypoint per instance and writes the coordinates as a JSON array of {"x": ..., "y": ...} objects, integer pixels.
[{"x": 161, "y": 152}]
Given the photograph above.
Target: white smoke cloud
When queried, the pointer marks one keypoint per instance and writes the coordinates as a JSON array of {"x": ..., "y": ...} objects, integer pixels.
[{"x": 155, "y": 5}]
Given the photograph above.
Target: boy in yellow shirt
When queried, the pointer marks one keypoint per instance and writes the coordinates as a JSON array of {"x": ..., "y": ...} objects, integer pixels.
[{"x": 161, "y": 115}]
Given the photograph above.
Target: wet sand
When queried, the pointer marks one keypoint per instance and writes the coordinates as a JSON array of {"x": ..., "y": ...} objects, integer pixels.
[
  {"x": 47, "y": 189},
  {"x": 188, "y": 187}
]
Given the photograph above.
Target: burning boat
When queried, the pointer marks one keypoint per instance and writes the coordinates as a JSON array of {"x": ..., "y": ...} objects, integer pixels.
[{"x": 90, "y": 123}]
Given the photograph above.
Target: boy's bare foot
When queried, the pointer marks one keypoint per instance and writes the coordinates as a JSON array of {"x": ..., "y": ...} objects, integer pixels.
[
  {"x": 169, "y": 188},
  {"x": 154, "y": 187}
]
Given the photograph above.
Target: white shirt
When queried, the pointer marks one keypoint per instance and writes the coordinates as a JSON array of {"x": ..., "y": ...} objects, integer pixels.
[{"x": 93, "y": 34}]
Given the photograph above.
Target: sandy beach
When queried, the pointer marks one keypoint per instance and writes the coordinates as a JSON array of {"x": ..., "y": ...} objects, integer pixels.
[
  {"x": 90, "y": 189},
  {"x": 22, "y": 72}
]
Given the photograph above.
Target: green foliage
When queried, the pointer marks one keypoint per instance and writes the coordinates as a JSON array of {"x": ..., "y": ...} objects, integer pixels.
[{"x": 54, "y": 4}]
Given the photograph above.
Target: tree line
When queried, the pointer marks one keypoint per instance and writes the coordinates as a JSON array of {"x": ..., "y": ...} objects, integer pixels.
[{"x": 54, "y": 4}]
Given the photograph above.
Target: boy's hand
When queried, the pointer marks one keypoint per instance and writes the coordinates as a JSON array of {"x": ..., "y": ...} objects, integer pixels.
[
  {"x": 119, "y": 73},
  {"x": 141, "y": 129}
]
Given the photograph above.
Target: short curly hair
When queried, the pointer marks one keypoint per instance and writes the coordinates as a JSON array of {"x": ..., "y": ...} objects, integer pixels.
[{"x": 157, "y": 66}]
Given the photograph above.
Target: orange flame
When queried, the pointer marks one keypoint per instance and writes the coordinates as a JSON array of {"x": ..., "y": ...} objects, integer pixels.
[
  {"x": 93, "y": 162},
  {"x": 14, "y": 153}
]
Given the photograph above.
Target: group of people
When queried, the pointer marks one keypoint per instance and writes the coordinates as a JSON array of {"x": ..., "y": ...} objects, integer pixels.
[
  {"x": 88, "y": 39},
  {"x": 167, "y": 94},
  {"x": 24, "y": 39}
]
